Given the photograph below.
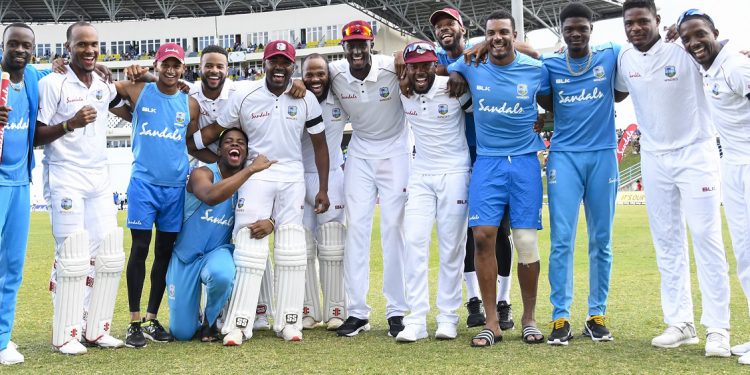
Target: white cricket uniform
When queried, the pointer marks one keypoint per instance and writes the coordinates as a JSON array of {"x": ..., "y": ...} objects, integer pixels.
[
  {"x": 212, "y": 108},
  {"x": 274, "y": 126},
  {"x": 76, "y": 179},
  {"x": 727, "y": 87},
  {"x": 438, "y": 189},
  {"x": 680, "y": 166},
  {"x": 377, "y": 166}
]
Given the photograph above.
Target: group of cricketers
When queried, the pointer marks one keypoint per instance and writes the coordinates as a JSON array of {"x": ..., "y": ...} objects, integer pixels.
[{"x": 271, "y": 163}]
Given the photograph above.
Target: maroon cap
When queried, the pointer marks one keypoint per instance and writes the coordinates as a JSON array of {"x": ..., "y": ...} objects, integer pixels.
[
  {"x": 449, "y": 12},
  {"x": 419, "y": 51},
  {"x": 357, "y": 30},
  {"x": 279, "y": 47},
  {"x": 170, "y": 50}
]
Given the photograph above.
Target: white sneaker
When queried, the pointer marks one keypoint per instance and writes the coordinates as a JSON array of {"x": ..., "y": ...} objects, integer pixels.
[
  {"x": 10, "y": 355},
  {"x": 741, "y": 349},
  {"x": 446, "y": 331},
  {"x": 745, "y": 359},
  {"x": 108, "y": 342},
  {"x": 261, "y": 323},
  {"x": 717, "y": 343},
  {"x": 72, "y": 347},
  {"x": 309, "y": 322},
  {"x": 676, "y": 335},
  {"x": 412, "y": 333},
  {"x": 290, "y": 333},
  {"x": 234, "y": 338},
  {"x": 334, "y": 324}
]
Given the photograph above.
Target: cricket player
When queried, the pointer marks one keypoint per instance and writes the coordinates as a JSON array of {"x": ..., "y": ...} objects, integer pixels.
[
  {"x": 325, "y": 233},
  {"x": 726, "y": 82},
  {"x": 680, "y": 166},
  {"x": 202, "y": 253},
  {"x": 580, "y": 90},
  {"x": 15, "y": 173},
  {"x": 377, "y": 166},
  {"x": 506, "y": 174},
  {"x": 274, "y": 123},
  {"x": 72, "y": 123},
  {"x": 161, "y": 116},
  {"x": 438, "y": 191}
]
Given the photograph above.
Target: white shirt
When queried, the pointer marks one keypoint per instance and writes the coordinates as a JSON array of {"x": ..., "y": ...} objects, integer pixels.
[
  {"x": 60, "y": 98},
  {"x": 727, "y": 86},
  {"x": 666, "y": 87},
  {"x": 274, "y": 126},
  {"x": 377, "y": 117},
  {"x": 334, "y": 118},
  {"x": 212, "y": 108},
  {"x": 438, "y": 124}
]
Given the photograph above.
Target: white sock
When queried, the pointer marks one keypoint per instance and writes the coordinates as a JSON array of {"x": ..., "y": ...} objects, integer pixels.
[
  {"x": 472, "y": 285},
  {"x": 503, "y": 289}
]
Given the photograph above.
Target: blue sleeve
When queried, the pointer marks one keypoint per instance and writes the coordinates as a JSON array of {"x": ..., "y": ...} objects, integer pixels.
[
  {"x": 458, "y": 66},
  {"x": 544, "y": 84},
  {"x": 616, "y": 48},
  {"x": 43, "y": 73}
]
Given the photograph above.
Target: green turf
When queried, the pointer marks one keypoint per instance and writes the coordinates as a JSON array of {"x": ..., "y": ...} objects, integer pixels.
[{"x": 634, "y": 312}]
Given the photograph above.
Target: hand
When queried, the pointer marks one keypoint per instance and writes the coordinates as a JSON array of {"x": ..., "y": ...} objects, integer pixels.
[
  {"x": 405, "y": 87},
  {"x": 399, "y": 63},
  {"x": 103, "y": 72},
  {"x": 60, "y": 65},
  {"x": 135, "y": 72},
  {"x": 672, "y": 33},
  {"x": 298, "y": 89},
  {"x": 260, "y": 228},
  {"x": 83, "y": 117},
  {"x": 478, "y": 53},
  {"x": 745, "y": 52},
  {"x": 539, "y": 124},
  {"x": 183, "y": 86},
  {"x": 4, "y": 109},
  {"x": 321, "y": 202},
  {"x": 260, "y": 163},
  {"x": 457, "y": 85}
]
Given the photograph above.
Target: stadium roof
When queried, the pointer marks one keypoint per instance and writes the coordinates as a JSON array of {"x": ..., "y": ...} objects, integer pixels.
[{"x": 409, "y": 16}]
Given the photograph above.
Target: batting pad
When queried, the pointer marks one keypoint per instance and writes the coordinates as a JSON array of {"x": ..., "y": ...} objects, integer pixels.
[
  {"x": 72, "y": 268},
  {"x": 110, "y": 260},
  {"x": 266, "y": 291},
  {"x": 311, "y": 306},
  {"x": 290, "y": 257},
  {"x": 331, "y": 240},
  {"x": 250, "y": 257}
]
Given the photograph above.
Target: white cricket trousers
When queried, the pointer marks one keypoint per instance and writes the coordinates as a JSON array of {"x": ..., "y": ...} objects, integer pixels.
[
  {"x": 335, "y": 212},
  {"x": 735, "y": 188},
  {"x": 364, "y": 181},
  {"x": 443, "y": 197},
  {"x": 683, "y": 186}
]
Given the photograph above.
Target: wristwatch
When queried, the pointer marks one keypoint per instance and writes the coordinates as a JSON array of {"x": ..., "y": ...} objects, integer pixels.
[{"x": 66, "y": 128}]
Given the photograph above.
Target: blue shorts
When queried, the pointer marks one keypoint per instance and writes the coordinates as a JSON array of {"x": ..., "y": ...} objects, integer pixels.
[
  {"x": 498, "y": 182},
  {"x": 149, "y": 204}
]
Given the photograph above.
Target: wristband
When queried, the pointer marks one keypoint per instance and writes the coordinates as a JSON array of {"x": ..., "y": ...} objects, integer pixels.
[
  {"x": 198, "y": 139},
  {"x": 273, "y": 223},
  {"x": 66, "y": 128}
]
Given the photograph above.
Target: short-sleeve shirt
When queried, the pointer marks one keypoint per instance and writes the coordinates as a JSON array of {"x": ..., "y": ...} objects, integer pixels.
[
  {"x": 212, "y": 108},
  {"x": 334, "y": 118},
  {"x": 505, "y": 107},
  {"x": 444, "y": 59},
  {"x": 14, "y": 169},
  {"x": 274, "y": 126},
  {"x": 584, "y": 105}
]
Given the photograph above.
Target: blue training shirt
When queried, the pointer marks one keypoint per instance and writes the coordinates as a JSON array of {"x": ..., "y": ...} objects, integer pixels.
[
  {"x": 444, "y": 59},
  {"x": 14, "y": 169},
  {"x": 159, "y": 125},
  {"x": 204, "y": 228},
  {"x": 505, "y": 108},
  {"x": 584, "y": 106}
]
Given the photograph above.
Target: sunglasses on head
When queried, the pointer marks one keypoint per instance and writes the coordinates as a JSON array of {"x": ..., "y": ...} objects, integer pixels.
[
  {"x": 419, "y": 48},
  {"x": 693, "y": 12},
  {"x": 358, "y": 30}
]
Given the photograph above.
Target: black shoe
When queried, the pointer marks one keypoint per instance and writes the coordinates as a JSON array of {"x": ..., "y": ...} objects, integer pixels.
[
  {"x": 353, "y": 326},
  {"x": 134, "y": 338},
  {"x": 505, "y": 315},
  {"x": 476, "y": 312},
  {"x": 154, "y": 331},
  {"x": 560, "y": 332},
  {"x": 596, "y": 328},
  {"x": 395, "y": 325},
  {"x": 209, "y": 334}
]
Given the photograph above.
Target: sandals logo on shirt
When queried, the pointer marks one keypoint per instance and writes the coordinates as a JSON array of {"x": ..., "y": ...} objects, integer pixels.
[{"x": 179, "y": 119}]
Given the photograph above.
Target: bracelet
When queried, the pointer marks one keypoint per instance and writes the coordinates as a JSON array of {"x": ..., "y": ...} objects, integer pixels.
[
  {"x": 198, "y": 139},
  {"x": 66, "y": 128},
  {"x": 273, "y": 223}
]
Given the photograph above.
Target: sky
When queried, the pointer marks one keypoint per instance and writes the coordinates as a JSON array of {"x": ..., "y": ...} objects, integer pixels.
[{"x": 730, "y": 17}]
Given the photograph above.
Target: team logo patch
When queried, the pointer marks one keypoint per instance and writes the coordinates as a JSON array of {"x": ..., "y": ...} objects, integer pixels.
[
  {"x": 171, "y": 291},
  {"x": 443, "y": 109},
  {"x": 280, "y": 47},
  {"x": 241, "y": 322},
  {"x": 292, "y": 110},
  {"x": 522, "y": 89},
  {"x": 179, "y": 118},
  {"x": 99, "y": 94},
  {"x": 66, "y": 204},
  {"x": 291, "y": 318},
  {"x": 384, "y": 92},
  {"x": 552, "y": 178},
  {"x": 715, "y": 89},
  {"x": 599, "y": 72},
  {"x": 670, "y": 71},
  {"x": 241, "y": 203},
  {"x": 336, "y": 112},
  {"x": 260, "y": 309}
]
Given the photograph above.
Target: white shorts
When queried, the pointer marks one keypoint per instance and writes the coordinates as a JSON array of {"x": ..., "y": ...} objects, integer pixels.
[{"x": 335, "y": 212}]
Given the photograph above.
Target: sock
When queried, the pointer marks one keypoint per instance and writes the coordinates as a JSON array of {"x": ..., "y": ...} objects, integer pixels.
[
  {"x": 472, "y": 285},
  {"x": 503, "y": 289}
]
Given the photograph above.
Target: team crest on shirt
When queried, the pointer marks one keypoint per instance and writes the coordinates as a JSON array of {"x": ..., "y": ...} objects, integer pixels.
[
  {"x": 336, "y": 112},
  {"x": 179, "y": 119},
  {"x": 552, "y": 178},
  {"x": 99, "y": 94},
  {"x": 670, "y": 72},
  {"x": 523, "y": 91},
  {"x": 599, "y": 73},
  {"x": 66, "y": 204},
  {"x": 384, "y": 92},
  {"x": 292, "y": 110},
  {"x": 171, "y": 291},
  {"x": 241, "y": 203},
  {"x": 715, "y": 89},
  {"x": 443, "y": 109}
]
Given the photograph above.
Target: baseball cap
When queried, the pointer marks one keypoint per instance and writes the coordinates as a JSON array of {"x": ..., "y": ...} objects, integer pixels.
[
  {"x": 170, "y": 50},
  {"x": 419, "y": 51},
  {"x": 449, "y": 12},
  {"x": 279, "y": 47},
  {"x": 357, "y": 30}
]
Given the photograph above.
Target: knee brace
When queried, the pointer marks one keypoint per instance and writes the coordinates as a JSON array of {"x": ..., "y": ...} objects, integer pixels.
[{"x": 525, "y": 241}]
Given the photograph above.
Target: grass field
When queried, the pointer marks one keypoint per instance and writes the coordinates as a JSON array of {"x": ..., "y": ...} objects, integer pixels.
[{"x": 634, "y": 313}]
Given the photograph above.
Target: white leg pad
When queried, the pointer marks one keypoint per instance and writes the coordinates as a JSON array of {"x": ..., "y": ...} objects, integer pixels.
[
  {"x": 311, "y": 305},
  {"x": 250, "y": 256},
  {"x": 331, "y": 240},
  {"x": 265, "y": 299},
  {"x": 291, "y": 260},
  {"x": 110, "y": 260},
  {"x": 72, "y": 268}
]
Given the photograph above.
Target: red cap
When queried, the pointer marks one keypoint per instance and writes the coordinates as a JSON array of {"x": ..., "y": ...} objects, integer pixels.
[
  {"x": 419, "y": 51},
  {"x": 170, "y": 50},
  {"x": 357, "y": 30},
  {"x": 279, "y": 47},
  {"x": 449, "y": 12}
]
